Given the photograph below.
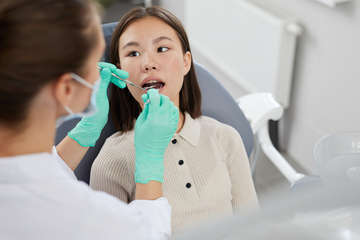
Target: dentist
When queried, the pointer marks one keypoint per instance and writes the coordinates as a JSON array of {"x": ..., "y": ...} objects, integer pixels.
[{"x": 49, "y": 53}]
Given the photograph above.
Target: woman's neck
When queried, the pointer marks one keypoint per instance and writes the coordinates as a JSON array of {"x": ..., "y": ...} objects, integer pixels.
[
  {"x": 34, "y": 135},
  {"x": 181, "y": 122},
  {"x": 32, "y": 139}
]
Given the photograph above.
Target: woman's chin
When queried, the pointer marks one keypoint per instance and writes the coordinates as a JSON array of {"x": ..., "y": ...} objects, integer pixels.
[{"x": 162, "y": 90}]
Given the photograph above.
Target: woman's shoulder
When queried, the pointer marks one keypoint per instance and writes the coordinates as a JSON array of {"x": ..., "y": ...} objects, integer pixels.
[
  {"x": 118, "y": 150},
  {"x": 210, "y": 124},
  {"x": 120, "y": 138},
  {"x": 119, "y": 142}
]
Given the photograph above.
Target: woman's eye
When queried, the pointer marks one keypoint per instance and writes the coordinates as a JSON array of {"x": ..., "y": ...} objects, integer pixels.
[
  {"x": 133, "y": 54},
  {"x": 163, "y": 49}
]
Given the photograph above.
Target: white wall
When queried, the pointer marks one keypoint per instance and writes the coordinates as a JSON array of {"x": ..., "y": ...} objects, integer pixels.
[
  {"x": 176, "y": 7},
  {"x": 326, "y": 83}
]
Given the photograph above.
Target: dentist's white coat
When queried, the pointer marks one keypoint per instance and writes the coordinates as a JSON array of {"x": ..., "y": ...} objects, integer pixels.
[{"x": 40, "y": 198}]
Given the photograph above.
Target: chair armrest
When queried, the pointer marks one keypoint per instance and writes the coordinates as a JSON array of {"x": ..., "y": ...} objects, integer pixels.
[{"x": 259, "y": 108}]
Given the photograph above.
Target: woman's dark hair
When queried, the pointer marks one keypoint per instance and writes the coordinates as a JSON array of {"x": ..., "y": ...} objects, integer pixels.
[
  {"x": 125, "y": 109},
  {"x": 39, "y": 41}
]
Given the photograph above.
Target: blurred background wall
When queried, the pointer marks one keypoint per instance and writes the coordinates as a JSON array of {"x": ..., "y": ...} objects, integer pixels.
[{"x": 326, "y": 84}]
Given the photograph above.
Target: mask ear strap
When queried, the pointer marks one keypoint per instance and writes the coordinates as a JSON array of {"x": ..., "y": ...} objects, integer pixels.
[
  {"x": 68, "y": 110},
  {"x": 81, "y": 80},
  {"x": 63, "y": 119}
]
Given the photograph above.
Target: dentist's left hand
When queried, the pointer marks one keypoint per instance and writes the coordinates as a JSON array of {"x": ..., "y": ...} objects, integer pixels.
[{"x": 88, "y": 130}]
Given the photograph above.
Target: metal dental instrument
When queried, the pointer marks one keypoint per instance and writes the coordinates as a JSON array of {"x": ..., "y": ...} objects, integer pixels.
[{"x": 128, "y": 82}]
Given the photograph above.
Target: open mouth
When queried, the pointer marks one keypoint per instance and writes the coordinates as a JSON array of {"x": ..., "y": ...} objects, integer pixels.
[{"x": 153, "y": 84}]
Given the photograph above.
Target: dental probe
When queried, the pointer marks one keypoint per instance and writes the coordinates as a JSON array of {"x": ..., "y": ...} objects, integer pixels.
[{"x": 128, "y": 82}]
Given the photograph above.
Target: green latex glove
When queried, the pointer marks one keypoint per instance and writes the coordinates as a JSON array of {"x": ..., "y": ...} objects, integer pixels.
[
  {"x": 121, "y": 73},
  {"x": 154, "y": 129},
  {"x": 88, "y": 130}
]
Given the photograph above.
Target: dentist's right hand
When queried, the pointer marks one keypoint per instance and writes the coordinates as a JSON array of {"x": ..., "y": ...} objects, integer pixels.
[{"x": 154, "y": 128}]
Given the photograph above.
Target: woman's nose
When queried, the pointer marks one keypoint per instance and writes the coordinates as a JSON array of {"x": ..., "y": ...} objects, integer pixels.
[
  {"x": 149, "y": 67},
  {"x": 149, "y": 64}
]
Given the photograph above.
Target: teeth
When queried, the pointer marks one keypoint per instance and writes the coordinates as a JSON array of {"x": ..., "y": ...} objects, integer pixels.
[
  {"x": 153, "y": 84},
  {"x": 153, "y": 81}
]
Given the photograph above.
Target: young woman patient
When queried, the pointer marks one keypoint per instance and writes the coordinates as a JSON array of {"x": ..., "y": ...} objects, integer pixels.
[{"x": 207, "y": 170}]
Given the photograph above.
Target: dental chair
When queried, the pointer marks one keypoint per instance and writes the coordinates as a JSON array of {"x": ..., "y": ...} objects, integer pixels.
[{"x": 216, "y": 103}]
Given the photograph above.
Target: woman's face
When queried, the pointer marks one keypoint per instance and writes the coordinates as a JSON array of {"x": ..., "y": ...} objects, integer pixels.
[{"x": 151, "y": 52}]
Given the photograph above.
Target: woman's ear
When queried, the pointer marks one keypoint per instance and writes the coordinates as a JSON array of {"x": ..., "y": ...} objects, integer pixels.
[
  {"x": 187, "y": 62},
  {"x": 63, "y": 89}
]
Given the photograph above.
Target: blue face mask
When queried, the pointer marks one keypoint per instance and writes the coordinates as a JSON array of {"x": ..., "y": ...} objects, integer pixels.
[{"x": 89, "y": 110}]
